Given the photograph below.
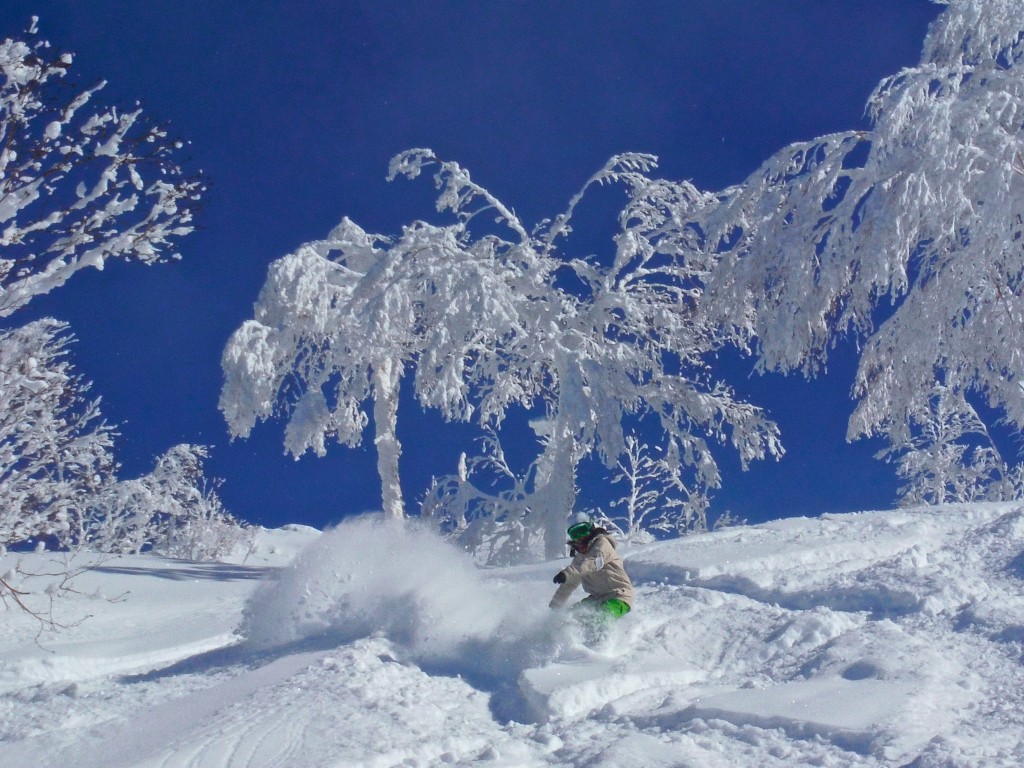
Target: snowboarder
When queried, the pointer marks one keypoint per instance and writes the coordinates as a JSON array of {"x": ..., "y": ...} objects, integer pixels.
[{"x": 598, "y": 567}]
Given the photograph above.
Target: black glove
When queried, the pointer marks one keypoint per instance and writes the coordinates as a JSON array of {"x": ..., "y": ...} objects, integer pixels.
[{"x": 559, "y": 578}]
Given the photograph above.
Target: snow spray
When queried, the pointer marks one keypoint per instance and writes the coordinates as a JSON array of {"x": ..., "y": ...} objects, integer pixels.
[{"x": 400, "y": 580}]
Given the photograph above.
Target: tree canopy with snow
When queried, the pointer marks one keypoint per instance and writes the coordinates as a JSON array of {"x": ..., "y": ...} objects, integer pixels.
[
  {"x": 926, "y": 210},
  {"x": 490, "y": 321}
]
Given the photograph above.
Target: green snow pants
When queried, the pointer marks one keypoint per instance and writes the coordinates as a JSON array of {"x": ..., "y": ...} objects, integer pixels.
[{"x": 613, "y": 608}]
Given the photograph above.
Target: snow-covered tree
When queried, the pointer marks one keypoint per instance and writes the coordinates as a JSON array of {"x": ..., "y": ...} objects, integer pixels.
[
  {"x": 55, "y": 451},
  {"x": 598, "y": 344},
  {"x": 946, "y": 454},
  {"x": 655, "y": 497},
  {"x": 79, "y": 184},
  {"x": 489, "y": 321},
  {"x": 926, "y": 208},
  {"x": 339, "y": 322},
  {"x": 613, "y": 342},
  {"x": 173, "y": 511},
  {"x": 310, "y": 335}
]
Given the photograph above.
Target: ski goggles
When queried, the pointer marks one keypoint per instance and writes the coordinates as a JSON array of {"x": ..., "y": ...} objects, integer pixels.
[{"x": 579, "y": 531}]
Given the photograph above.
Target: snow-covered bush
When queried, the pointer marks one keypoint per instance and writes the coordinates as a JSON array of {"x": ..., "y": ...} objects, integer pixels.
[
  {"x": 947, "y": 455},
  {"x": 492, "y": 524},
  {"x": 173, "y": 511},
  {"x": 55, "y": 451}
]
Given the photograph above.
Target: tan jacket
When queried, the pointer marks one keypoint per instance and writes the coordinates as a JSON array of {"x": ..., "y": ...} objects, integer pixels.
[{"x": 600, "y": 571}]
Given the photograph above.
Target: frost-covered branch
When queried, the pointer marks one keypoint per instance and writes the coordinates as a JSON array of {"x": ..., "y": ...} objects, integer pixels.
[
  {"x": 79, "y": 184},
  {"x": 41, "y": 603},
  {"x": 458, "y": 190},
  {"x": 629, "y": 168}
]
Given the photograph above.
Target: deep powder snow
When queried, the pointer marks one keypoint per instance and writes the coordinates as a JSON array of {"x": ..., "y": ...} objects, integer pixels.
[{"x": 874, "y": 639}]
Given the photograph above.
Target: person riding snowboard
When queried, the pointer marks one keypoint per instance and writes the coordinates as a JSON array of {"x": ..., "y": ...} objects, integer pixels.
[{"x": 598, "y": 567}]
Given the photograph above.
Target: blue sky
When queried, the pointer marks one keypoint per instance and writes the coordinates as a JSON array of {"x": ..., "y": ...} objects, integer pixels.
[{"x": 293, "y": 110}]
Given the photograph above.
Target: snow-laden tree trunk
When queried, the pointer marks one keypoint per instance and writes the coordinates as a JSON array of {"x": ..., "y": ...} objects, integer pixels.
[
  {"x": 554, "y": 492},
  {"x": 386, "y": 379}
]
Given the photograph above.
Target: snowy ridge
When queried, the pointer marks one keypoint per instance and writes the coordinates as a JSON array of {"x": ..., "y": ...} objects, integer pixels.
[{"x": 873, "y": 639}]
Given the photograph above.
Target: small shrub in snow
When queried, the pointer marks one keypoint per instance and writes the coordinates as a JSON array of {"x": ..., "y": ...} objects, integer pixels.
[{"x": 173, "y": 511}]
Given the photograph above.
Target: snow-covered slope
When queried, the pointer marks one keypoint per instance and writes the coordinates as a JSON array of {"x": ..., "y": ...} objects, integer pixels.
[{"x": 875, "y": 639}]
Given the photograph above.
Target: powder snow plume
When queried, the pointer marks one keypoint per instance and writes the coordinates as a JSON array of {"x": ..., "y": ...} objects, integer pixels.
[{"x": 372, "y": 576}]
